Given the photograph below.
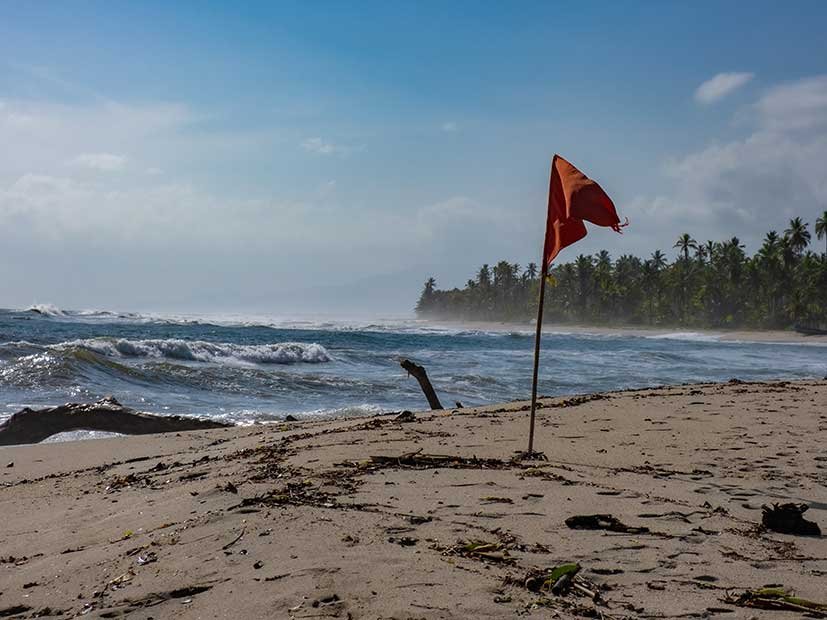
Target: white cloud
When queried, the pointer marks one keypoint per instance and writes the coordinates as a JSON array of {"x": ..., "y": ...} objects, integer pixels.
[
  {"x": 322, "y": 147},
  {"x": 721, "y": 85},
  {"x": 749, "y": 186},
  {"x": 449, "y": 127},
  {"x": 43, "y": 137},
  {"x": 796, "y": 105},
  {"x": 105, "y": 162}
]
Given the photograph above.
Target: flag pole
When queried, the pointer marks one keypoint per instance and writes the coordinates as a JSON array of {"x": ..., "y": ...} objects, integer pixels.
[
  {"x": 568, "y": 205},
  {"x": 537, "y": 355},
  {"x": 544, "y": 265}
]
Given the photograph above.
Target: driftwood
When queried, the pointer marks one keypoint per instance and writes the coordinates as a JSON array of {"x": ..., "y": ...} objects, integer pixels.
[
  {"x": 420, "y": 375},
  {"x": 602, "y": 522},
  {"x": 788, "y": 519},
  {"x": 35, "y": 425},
  {"x": 418, "y": 460}
]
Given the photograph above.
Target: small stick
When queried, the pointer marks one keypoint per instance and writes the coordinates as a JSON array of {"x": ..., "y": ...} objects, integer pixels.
[{"x": 234, "y": 541}]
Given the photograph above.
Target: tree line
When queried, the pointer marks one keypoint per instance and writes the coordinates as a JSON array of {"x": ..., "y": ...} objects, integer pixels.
[{"x": 710, "y": 284}]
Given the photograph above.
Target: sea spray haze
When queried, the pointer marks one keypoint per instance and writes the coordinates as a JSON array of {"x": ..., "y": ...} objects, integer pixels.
[{"x": 263, "y": 369}]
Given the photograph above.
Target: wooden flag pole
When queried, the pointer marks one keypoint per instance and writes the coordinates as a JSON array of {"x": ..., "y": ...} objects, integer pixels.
[
  {"x": 543, "y": 276},
  {"x": 572, "y": 198}
]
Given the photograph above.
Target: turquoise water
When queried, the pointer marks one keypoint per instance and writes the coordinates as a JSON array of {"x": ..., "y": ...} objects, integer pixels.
[{"x": 261, "y": 369}]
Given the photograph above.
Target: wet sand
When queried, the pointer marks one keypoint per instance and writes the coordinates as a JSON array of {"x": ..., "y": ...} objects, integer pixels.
[{"x": 297, "y": 520}]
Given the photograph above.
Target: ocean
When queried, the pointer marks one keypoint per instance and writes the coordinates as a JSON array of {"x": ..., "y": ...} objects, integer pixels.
[{"x": 248, "y": 369}]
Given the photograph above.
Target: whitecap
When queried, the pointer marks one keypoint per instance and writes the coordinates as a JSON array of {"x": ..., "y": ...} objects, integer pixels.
[
  {"x": 46, "y": 310},
  {"x": 201, "y": 351}
]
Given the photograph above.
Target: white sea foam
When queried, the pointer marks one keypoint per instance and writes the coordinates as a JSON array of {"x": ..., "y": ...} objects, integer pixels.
[
  {"x": 687, "y": 336},
  {"x": 46, "y": 310},
  {"x": 399, "y": 325},
  {"x": 201, "y": 351},
  {"x": 246, "y": 417}
]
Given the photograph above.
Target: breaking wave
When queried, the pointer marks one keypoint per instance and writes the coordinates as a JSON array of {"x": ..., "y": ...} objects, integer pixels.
[
  {"x": 45, "y": 310},
  {"x": 201, "y": 351}
]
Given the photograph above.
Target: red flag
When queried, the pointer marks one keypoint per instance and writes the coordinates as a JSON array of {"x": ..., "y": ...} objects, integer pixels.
[{"x": 572, "y": 198}]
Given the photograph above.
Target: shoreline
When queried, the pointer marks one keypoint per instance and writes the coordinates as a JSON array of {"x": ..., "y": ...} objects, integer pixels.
[
  {"x": 735, "y": 335},
  {"x": 298, "y": 520}
]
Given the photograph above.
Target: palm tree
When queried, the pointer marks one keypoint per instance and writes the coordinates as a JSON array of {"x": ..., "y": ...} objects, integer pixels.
[
  {"x": 768, "y": 261},
  {"x": 770, "y": 247},
  {"x": 603, "y": 262},
  {"x": 603, "y": 281},
  {"x": 426, "y": 299},
  {"x": 714, "y": 283},
  {"x": 585, "y": 268},
  {"x": 798, "y": 235},
  {"x": 685, "y": 243},
  {"x": 649, "y": 279},
  {"x": 821, "y": 229},
  {"x": 484, "y": 276},
  {"x": 786, "y": 251},
  {"x": 658, "y": 260},
  {"x": 709, "y": 249}
]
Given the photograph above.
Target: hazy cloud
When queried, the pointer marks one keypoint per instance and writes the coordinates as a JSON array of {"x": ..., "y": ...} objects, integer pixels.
[
  {"x": 796, "y": 105},
  {"x": 106, "y": 162},
  {"x": 449, "y": 127},
  {"x": 721, "y": 85},
  {"x": 150, "y": 239},
  {"x": 183, "y": 233},
  {"x": 323, "y": 147}
]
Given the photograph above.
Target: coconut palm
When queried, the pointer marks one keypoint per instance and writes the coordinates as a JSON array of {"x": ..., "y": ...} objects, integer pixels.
[
  {"x": 650, "y": 281},
  {"x": 768, "y": 261},
  {"x": 484, "y": 277},
  {"x": 584, "y": 265},
  {"x": 821, "y": 230},
  {"x": 770, "y": 247},
  {"x": 426, "y": 299},
  {"x": 658, "y": 260},
  {"x": 710, "y": 248},
  {"x": 798, "y": 235},
  {"x": 711, "y": 283},
  {"x": 787, "y": 252},
  {"x": 685, "y": 243}
]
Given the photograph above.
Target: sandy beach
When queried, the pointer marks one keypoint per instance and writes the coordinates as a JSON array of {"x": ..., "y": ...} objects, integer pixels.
[
  {"x": 729, "y": 335},
  {"x": 358, "y": 519}
]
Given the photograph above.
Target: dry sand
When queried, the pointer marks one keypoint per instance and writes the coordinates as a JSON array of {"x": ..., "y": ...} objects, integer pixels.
[{"x": 296, "y": 521}]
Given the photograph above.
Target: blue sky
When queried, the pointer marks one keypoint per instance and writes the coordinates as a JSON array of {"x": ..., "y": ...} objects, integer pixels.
[{"x": 318, "y": 157}]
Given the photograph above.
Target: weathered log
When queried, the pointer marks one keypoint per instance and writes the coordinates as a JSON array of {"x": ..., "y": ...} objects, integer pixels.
[
  {"x": 35, "y": 425},
  {"x": 420, "y": 375}
]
